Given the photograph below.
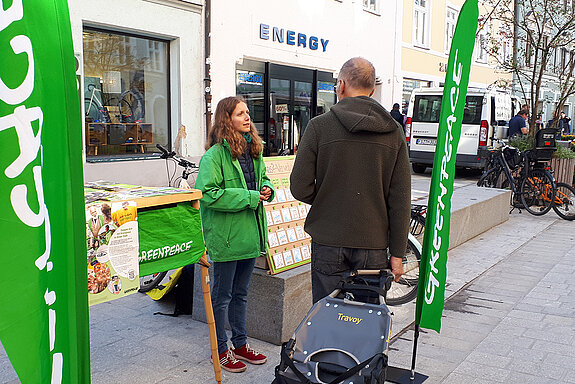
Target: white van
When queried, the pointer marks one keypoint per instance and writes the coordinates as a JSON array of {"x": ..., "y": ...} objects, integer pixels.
[{"x": 486, "y": 116}]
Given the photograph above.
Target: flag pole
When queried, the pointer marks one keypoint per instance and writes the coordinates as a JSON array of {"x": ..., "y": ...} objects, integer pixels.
[
  {"x": 414, "y": 355},
  {"x": 433, "y": 265}
]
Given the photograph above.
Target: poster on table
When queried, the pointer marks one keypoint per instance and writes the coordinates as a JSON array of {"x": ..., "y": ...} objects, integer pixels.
[
  {"x": 169, "y": 237},
  {"x": 113, "y": 246},
  {"x": 288, "y": 243}
]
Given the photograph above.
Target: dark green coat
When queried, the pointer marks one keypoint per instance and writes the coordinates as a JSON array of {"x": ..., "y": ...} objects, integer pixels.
[{"x": 229, "y": 210}]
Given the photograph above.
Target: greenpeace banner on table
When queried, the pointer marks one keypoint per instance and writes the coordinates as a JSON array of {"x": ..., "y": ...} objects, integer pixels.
[
  {"x": 44, "y": 317},
  {"x": 112, "y": 238},
  {"x": 432, "y": 272},
  {"x": 169, "y": 238}
]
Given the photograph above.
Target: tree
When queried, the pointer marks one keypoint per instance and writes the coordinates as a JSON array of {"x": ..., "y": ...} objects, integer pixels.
[{"x": 542, "y": 36}]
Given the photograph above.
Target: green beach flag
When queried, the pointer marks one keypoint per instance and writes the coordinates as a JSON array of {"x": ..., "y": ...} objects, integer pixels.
[
  {"x": 432, "y": 270},
  {"x": 44, "y": 308}
]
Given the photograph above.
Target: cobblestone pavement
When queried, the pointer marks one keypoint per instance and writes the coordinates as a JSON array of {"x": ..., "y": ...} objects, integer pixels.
[{"x": 514, "y": 323}]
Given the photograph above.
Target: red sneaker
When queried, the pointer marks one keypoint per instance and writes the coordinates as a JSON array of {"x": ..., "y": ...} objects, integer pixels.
[
  {"x": 229, "y": 362},
  {"x": 248, "y": 354}
]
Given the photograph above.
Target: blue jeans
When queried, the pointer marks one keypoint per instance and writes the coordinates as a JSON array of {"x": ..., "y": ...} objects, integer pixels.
[
  {"x": 330, "y": 264},
  {"x": 230, "y": 294}
]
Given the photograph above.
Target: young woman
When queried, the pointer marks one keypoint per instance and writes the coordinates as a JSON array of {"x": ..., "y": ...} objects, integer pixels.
[{"x": 232, "y": 178}]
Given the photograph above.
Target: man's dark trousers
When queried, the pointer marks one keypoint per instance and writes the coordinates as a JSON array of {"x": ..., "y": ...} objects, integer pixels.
[{"x": 330, "y": 264}]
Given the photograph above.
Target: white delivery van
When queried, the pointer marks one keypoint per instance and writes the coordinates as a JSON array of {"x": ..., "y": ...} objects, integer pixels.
[{"x": 486, "y": 116}]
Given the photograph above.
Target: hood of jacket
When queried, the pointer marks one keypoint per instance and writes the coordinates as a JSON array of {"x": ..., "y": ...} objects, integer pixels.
[{"x": 362, "y": 113}]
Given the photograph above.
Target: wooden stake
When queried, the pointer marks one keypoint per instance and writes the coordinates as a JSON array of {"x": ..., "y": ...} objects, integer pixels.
[{"x": 210, "y": 317}]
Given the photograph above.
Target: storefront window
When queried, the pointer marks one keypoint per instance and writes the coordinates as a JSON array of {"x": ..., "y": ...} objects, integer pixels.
[
  {"x": 250, "y": 86},
  {"x": 126, "y": 95},
  {"x": 325, "y": 96},
  {"x": 282, "y": 100}
]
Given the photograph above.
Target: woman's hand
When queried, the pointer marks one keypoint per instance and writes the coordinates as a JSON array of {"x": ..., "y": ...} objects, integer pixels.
[{"x": 265, "y": 194}]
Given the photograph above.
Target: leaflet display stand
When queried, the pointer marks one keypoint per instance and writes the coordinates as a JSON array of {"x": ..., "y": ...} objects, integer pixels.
[{"x": 289, "y": 244}]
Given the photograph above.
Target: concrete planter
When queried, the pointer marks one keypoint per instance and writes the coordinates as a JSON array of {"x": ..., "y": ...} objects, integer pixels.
[{"x": 563, "y": 170}]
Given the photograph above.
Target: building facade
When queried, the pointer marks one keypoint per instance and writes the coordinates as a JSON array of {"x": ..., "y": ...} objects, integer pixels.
[
  {"x": 283, "y": 58},
  {"x": 140, "y": 74},
  {"x": 143, "y": 73},
  {"x": 427, "y": 32}
]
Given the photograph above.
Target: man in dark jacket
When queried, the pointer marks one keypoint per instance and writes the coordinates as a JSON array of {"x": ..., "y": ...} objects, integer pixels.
[
  {"x": 397, "y": 115},
  {"x": 352, "y": 167}
]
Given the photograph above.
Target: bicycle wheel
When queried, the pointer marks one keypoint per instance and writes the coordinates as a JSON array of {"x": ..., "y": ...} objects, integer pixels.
[
  {"x": 405, "y": 289},
  {"x": 537, "y": 192},
  {"x": 564, "y": 202},
  {"x": 131, "y": 106},
  {"x": 147, "y": 283},
  {"x": 489, "y": 178},
  {"x": 125, "y": 111}
]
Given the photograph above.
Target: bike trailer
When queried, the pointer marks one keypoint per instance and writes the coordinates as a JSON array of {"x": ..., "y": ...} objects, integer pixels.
[{"x": 344, "y": 338}]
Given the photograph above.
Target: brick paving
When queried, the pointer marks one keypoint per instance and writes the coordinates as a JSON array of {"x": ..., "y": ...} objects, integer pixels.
[{"x": 512, "y": 324}]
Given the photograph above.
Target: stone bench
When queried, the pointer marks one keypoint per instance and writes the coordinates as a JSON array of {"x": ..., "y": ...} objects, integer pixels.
[{"x": 278, "y": 303}]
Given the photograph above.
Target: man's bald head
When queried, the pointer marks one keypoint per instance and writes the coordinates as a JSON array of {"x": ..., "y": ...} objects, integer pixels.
[{"x": 358, "y": 73}]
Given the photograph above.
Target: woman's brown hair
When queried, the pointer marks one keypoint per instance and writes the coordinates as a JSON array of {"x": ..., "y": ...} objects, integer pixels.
[{"x": 223, "y": 129}]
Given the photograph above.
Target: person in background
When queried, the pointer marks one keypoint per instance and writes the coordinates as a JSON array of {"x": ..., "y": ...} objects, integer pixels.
[
  {"x": 525, "y": 107},
  {"x": 233, "y": 181},
  {"x": 397, "y": 115},
  {"x": 564, "y": 123},
  {"x": 518, "y": 124},
  {"x": 352, "y": 167}
]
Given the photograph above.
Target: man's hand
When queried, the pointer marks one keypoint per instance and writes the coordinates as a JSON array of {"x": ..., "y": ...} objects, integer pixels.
[
  {"x": 265, "y": 194},
  {"x": 397, "y": 267}
]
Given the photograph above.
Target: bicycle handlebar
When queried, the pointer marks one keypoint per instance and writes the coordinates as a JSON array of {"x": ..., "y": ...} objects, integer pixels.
[
  {"x": 172, "y": 155},
  {"x": 165, "y": 154}
]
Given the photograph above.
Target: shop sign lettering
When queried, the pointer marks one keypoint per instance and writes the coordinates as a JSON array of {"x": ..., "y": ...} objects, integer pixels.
[{"x": 289, "y": 37}]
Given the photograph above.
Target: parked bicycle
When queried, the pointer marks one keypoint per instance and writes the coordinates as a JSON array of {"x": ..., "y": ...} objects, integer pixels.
[
  {"x": 94, "y": 110},
  {"x": 189, "y": 169},
  {"x": 417, "y": 222},
  {"x": 532, "y": 184},
  {"x": 564, "y": 202},
  {"x": 131, "y": 107},
  {"x": 405, "y": 290},
  {"x": 150, "y": 282}
]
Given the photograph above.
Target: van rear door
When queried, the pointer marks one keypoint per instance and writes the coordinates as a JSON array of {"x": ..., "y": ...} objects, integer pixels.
[
  {"x": 425, "y": 122},
  {"x": 470, "y": 126},
  {"x": 425, "y": 125}
]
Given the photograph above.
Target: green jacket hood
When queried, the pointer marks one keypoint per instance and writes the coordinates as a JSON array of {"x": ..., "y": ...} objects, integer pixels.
[{"x": 363, "y": 113}]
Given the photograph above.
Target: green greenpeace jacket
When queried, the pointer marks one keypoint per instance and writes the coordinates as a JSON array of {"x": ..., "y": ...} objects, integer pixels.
[{"x": 229, "y": 210}]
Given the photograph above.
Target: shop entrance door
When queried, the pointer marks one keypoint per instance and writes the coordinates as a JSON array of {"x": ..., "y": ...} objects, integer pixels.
[
  {"x": 282, "y": 100},
  {"x": 290, "y": 111}
]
